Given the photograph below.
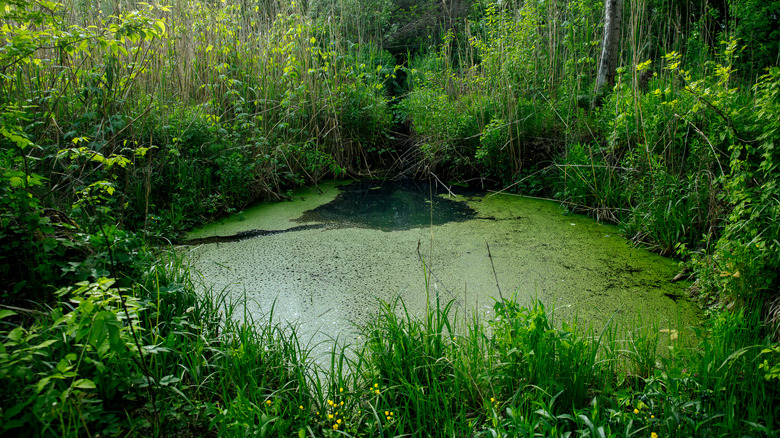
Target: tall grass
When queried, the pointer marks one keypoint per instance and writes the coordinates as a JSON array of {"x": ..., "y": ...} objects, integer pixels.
[
  {"x": 214, "y": 105},
  {"x": 205, "y": 370}
]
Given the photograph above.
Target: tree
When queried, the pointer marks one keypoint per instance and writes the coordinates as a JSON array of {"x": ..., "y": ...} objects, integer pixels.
[{"x": 613, "y": 11}]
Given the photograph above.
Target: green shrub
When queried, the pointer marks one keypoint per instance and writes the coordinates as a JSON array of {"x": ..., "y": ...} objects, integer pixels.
[{"x": 746, "y": 259}]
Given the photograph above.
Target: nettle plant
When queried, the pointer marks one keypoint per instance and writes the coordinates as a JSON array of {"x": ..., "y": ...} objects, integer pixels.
[{"x": 46, "y": 365}]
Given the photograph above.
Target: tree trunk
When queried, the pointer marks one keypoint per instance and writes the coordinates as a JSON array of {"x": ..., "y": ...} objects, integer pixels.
[{"x": 613, "y": 11}]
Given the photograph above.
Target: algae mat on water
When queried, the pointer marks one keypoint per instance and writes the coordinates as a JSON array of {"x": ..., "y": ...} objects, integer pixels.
[{"x": 348, "y": 247}]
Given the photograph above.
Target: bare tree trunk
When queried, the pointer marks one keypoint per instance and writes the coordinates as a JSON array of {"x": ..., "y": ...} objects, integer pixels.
[{"x": 610, "y": 46}]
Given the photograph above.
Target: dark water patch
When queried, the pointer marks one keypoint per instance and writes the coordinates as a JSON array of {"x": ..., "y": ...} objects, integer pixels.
[
  {"x": 391, "y": 206},
  {"x": 251, "y": 234},
  {"x": 672, "y": 297}
]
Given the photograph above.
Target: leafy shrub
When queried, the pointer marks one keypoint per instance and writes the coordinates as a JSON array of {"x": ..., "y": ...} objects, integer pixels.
[
  {"x": 746, "y": 259},
  {"x": 78, "y": 358}
]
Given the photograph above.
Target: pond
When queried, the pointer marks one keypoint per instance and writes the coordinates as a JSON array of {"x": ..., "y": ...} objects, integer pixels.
[{"x": 324, "y": 259}]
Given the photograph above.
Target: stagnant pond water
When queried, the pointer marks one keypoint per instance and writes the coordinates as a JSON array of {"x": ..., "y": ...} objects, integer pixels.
[{"x": 324, "y": 259}]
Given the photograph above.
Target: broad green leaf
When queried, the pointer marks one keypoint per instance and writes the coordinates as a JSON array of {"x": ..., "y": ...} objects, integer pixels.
[
  {"x": 63, "y": 366},
  {"x": 103, "y": 325},
  {"x": 16, "y": 334},
  {"x": 83, "y": 384},
  {"x": 45, "y": 344},
  {"x": 42, "y": 384},
  {"x": 169, "y": 380}
]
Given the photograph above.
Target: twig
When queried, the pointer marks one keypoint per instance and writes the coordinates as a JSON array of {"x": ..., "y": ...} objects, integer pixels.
[
  {"x": 442, "y": 184},
  {"x": 427, "y": 268},
  {"x": 19, "y": 309},
  {"x": 517, "y": 182},
  {"x": 714, "y": 151},
  {"x": 720, "y": 113},
  {"x": 490, "y": 256}
]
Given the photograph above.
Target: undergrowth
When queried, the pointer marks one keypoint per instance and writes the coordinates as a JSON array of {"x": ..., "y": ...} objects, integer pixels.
[{"x": 159, "y": 359}]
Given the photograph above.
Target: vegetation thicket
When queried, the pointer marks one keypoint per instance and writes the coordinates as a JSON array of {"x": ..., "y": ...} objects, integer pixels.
[{"x": 123, "y": 124}]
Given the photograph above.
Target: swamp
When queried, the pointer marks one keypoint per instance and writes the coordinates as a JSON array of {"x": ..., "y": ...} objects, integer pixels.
[{"x": 389, "y": 218}]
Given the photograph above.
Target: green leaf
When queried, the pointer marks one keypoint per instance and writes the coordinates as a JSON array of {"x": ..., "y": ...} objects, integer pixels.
[
  {"x": 44, "y": 344},
  {"x": 6, "y": 313},
  {"x": 42, "y": 384},
  {"x": 83, "y": 384},
  {"x": 105, "y": 326},
  {"x": 63, "y": 366},
  {"x": 16, "y": 334},
  {"x": 169, "y": 380}
]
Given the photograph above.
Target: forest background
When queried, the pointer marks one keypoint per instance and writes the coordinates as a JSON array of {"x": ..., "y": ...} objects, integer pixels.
[{"x": 124, "y": 124}]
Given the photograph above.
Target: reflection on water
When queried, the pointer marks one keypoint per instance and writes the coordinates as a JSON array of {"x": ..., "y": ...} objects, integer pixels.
[{"x": 390, "y": 206}]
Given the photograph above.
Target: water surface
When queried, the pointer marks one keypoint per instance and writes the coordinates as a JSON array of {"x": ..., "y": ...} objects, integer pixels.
[{"x": 373, "y": 238}]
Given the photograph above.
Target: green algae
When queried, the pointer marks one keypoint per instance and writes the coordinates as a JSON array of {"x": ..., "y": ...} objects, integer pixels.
[
  {"x": 326, "y": 279},
  {"x": 277, "y": 215}
]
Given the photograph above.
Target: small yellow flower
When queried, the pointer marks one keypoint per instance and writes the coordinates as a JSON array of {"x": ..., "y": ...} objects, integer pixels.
[
  {"x": 300, "y": 407},
  {"x": 338, "y": 421},
  {"x": 387, "y": 413},
  {"x": 376, "y": 391},
  {"x": 341, "y": 389},
  {"x": 335, "y": 427},
  {"x": 268, "y": 402},
  {"x": 636, "y": 411},
  {"x": 652, "y": 416},
  {"x": 341, "y": 403},
  {"x": 330, "y": 402},
  {"x": 330, "y": 416},
  {"x": 653, "y": 435},
  {"x": 388, "y": 418},
  {"x": 376, "y": 385},
  {"x": 492, "y": 400}
]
